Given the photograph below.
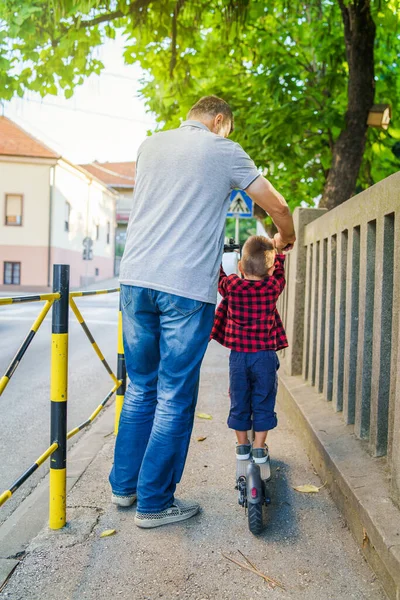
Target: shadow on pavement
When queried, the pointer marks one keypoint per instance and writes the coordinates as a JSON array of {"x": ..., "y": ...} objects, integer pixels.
[{"x": 281, "y": 518}]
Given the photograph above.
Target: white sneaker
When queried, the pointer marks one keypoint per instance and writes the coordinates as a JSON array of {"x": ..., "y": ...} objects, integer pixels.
[
  {"x": 124, "y": 501},
  {"x": 179, "y": 511},
  {"x": 260, "y": 455},
  {"x": 243, "y": 451}
]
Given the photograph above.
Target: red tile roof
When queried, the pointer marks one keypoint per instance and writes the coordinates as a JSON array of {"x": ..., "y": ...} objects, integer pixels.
[
  {"x": 14, "y": 141},
  {"x": 113, "y": 174}
]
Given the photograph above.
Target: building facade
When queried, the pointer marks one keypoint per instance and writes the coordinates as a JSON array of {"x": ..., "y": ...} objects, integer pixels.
[
  {"x": 48, "y": 207},
  {"x": 120, "y": 177}
]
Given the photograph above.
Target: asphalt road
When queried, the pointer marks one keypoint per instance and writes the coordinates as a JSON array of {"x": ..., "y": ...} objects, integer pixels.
[{"x": 25, "y": 405}]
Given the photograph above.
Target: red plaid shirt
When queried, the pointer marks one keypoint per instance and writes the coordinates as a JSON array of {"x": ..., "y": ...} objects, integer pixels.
[{"x": 247, "y": 320}]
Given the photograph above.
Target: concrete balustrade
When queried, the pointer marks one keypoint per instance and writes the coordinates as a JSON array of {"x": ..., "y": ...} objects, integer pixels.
[{"x": 341, "y": 312}]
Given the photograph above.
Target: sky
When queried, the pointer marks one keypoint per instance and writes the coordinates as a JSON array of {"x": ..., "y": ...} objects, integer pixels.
[{"x": 75, "y": 128}]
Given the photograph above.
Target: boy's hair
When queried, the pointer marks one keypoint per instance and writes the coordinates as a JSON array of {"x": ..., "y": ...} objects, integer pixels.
[
  {"x": 211, "y": 106},
  {"x": 258, "y": 256}
]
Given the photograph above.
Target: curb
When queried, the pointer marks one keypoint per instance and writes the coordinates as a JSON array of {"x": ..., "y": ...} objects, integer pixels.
[
  {"x": 358, "y": 483},
  {"x": 31, "y": 515}
]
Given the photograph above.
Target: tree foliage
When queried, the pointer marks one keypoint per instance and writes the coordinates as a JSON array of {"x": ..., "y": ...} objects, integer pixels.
[
  {"x": 286, "y": 76},
  {"x": 281, "y": 65}
]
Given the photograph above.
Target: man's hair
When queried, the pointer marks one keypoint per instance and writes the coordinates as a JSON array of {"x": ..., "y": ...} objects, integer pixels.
[
  {"x": 258, "y": 256},
  {"x": 212, "y": 106}
]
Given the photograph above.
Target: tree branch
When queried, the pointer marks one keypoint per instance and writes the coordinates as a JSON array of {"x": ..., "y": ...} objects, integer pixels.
[
  {"x": 118, "y": 14},
  {"x": 175, "y": 16},
  {"x": 104, "y": 18},
  {"x": 347, "y": 24},
  {"x": 331, "y": 140},
  {"x": 306, "y": 65}
]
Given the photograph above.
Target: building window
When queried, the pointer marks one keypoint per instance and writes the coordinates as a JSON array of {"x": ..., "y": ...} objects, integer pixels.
[
  {"x": 96, "y": 272},
  {"x": 12, "y": 273},
  {"x": 67, "y": 215},
  {"x": 13, "y": 209},
  {"x": 108, "y": 232},
  {"x": 97, "y": 232}
]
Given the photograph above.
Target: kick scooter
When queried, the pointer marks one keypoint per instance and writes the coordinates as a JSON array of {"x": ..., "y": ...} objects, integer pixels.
[
  {"x": 252, "y": 485},
  {"x": 252, "y": 478}
]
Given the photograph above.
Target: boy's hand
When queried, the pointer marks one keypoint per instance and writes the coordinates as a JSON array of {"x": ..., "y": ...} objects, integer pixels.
[{"x": 281, "y": 245}]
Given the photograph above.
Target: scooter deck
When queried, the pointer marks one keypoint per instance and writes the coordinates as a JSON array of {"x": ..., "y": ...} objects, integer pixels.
[
  {"x": 265, "y": 469},
  {"x": 241, "y": 467}
]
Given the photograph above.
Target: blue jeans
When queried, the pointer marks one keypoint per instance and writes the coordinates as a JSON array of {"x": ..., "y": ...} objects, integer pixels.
[
  {"x": 165, "y": 339},
  {"x": 253, "y": 384}
]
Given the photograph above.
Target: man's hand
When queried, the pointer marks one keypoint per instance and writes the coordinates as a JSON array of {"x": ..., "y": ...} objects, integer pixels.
[{"x": 280, "y": 244}]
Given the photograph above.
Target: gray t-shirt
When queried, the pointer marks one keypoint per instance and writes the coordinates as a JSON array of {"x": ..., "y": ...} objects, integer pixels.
[{"x": 176, "y": 229}]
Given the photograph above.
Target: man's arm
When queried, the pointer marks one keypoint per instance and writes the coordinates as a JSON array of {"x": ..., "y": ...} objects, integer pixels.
[
  {"x": 265, "y": 195},
  {"x": 245, "y": 176}
]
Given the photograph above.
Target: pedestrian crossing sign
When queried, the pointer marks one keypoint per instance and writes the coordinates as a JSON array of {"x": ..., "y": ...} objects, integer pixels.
[{"x": 240, "y": 205}]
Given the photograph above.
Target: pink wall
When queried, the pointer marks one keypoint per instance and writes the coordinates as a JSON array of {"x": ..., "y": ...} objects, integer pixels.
[
  {"x": 33, "y": 261},
  {"x": 80, "y": 268}
]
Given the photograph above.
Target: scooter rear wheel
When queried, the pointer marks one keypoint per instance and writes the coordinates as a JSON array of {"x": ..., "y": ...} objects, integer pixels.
[
  {"x": 255, "y": 517},
  {"x": 255, "y": 498}
]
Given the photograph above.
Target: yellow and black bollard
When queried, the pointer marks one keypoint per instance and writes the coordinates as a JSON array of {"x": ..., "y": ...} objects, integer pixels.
[
  {"x": 121, "y": 372},
  {"x": 58, "y": 397}
]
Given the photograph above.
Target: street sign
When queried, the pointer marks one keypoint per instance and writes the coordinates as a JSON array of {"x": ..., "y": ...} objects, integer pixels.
[
  {"x": 241, "y": 205},
  {"x": 87, "y": 248}
]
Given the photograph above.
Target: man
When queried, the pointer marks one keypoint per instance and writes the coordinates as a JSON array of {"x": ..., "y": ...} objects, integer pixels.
[{"x": 169, "y": 275}]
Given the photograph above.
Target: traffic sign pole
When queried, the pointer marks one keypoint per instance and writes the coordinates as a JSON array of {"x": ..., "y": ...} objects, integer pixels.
[{"x": 241, "y": 206}]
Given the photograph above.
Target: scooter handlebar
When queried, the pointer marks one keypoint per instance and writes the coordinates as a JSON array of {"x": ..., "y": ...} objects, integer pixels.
[{"x": 232, "y": 246}]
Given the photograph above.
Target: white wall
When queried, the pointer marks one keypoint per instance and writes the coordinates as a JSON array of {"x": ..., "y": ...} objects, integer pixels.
[
  {"x": 260, "y": 229},
  {"x": 101, "y": 212},
  {"x": 69, "y": 186},
  {"x": 33, "y": 182},
  {"x": 91, "y": 204},
  {"x": 125, "y": 200}
]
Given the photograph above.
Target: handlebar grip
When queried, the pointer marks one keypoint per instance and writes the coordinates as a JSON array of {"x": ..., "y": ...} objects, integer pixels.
[{"x": 231, "y": 247}]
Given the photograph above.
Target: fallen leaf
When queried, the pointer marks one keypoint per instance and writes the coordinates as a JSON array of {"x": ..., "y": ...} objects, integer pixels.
[
  {"x": 201, "y": 438},
  {"x": 204, "y": 416},
  {"x": 307, "y": 489},
  {"x": 108, "y": 532},
  {"x": 365, "y": 539}
]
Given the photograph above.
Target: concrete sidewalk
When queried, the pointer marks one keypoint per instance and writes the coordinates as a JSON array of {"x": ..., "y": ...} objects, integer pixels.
[{"x": 306, "y": 545}]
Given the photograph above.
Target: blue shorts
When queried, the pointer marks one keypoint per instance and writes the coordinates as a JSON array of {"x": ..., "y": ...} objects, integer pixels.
[{"x": 253, "y": 383}]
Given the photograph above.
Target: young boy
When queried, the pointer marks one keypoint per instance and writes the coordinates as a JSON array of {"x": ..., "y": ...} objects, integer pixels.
[{"x": 248, "y": 323}]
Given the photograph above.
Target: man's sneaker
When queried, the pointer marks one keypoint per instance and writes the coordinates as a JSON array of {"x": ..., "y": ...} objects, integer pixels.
[
  {"x": 243, "y": 451},
  {"x": 123, "y": 500},
  {"x": 179, "y": 511},
  {"x": 260, "y": 455}
]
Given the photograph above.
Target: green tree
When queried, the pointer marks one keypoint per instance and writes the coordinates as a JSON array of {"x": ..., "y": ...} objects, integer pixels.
[
  {"x": 301, "y": 107},
  {"x": 301, "y": 77},
  {"x": 247, "y": 227}
]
